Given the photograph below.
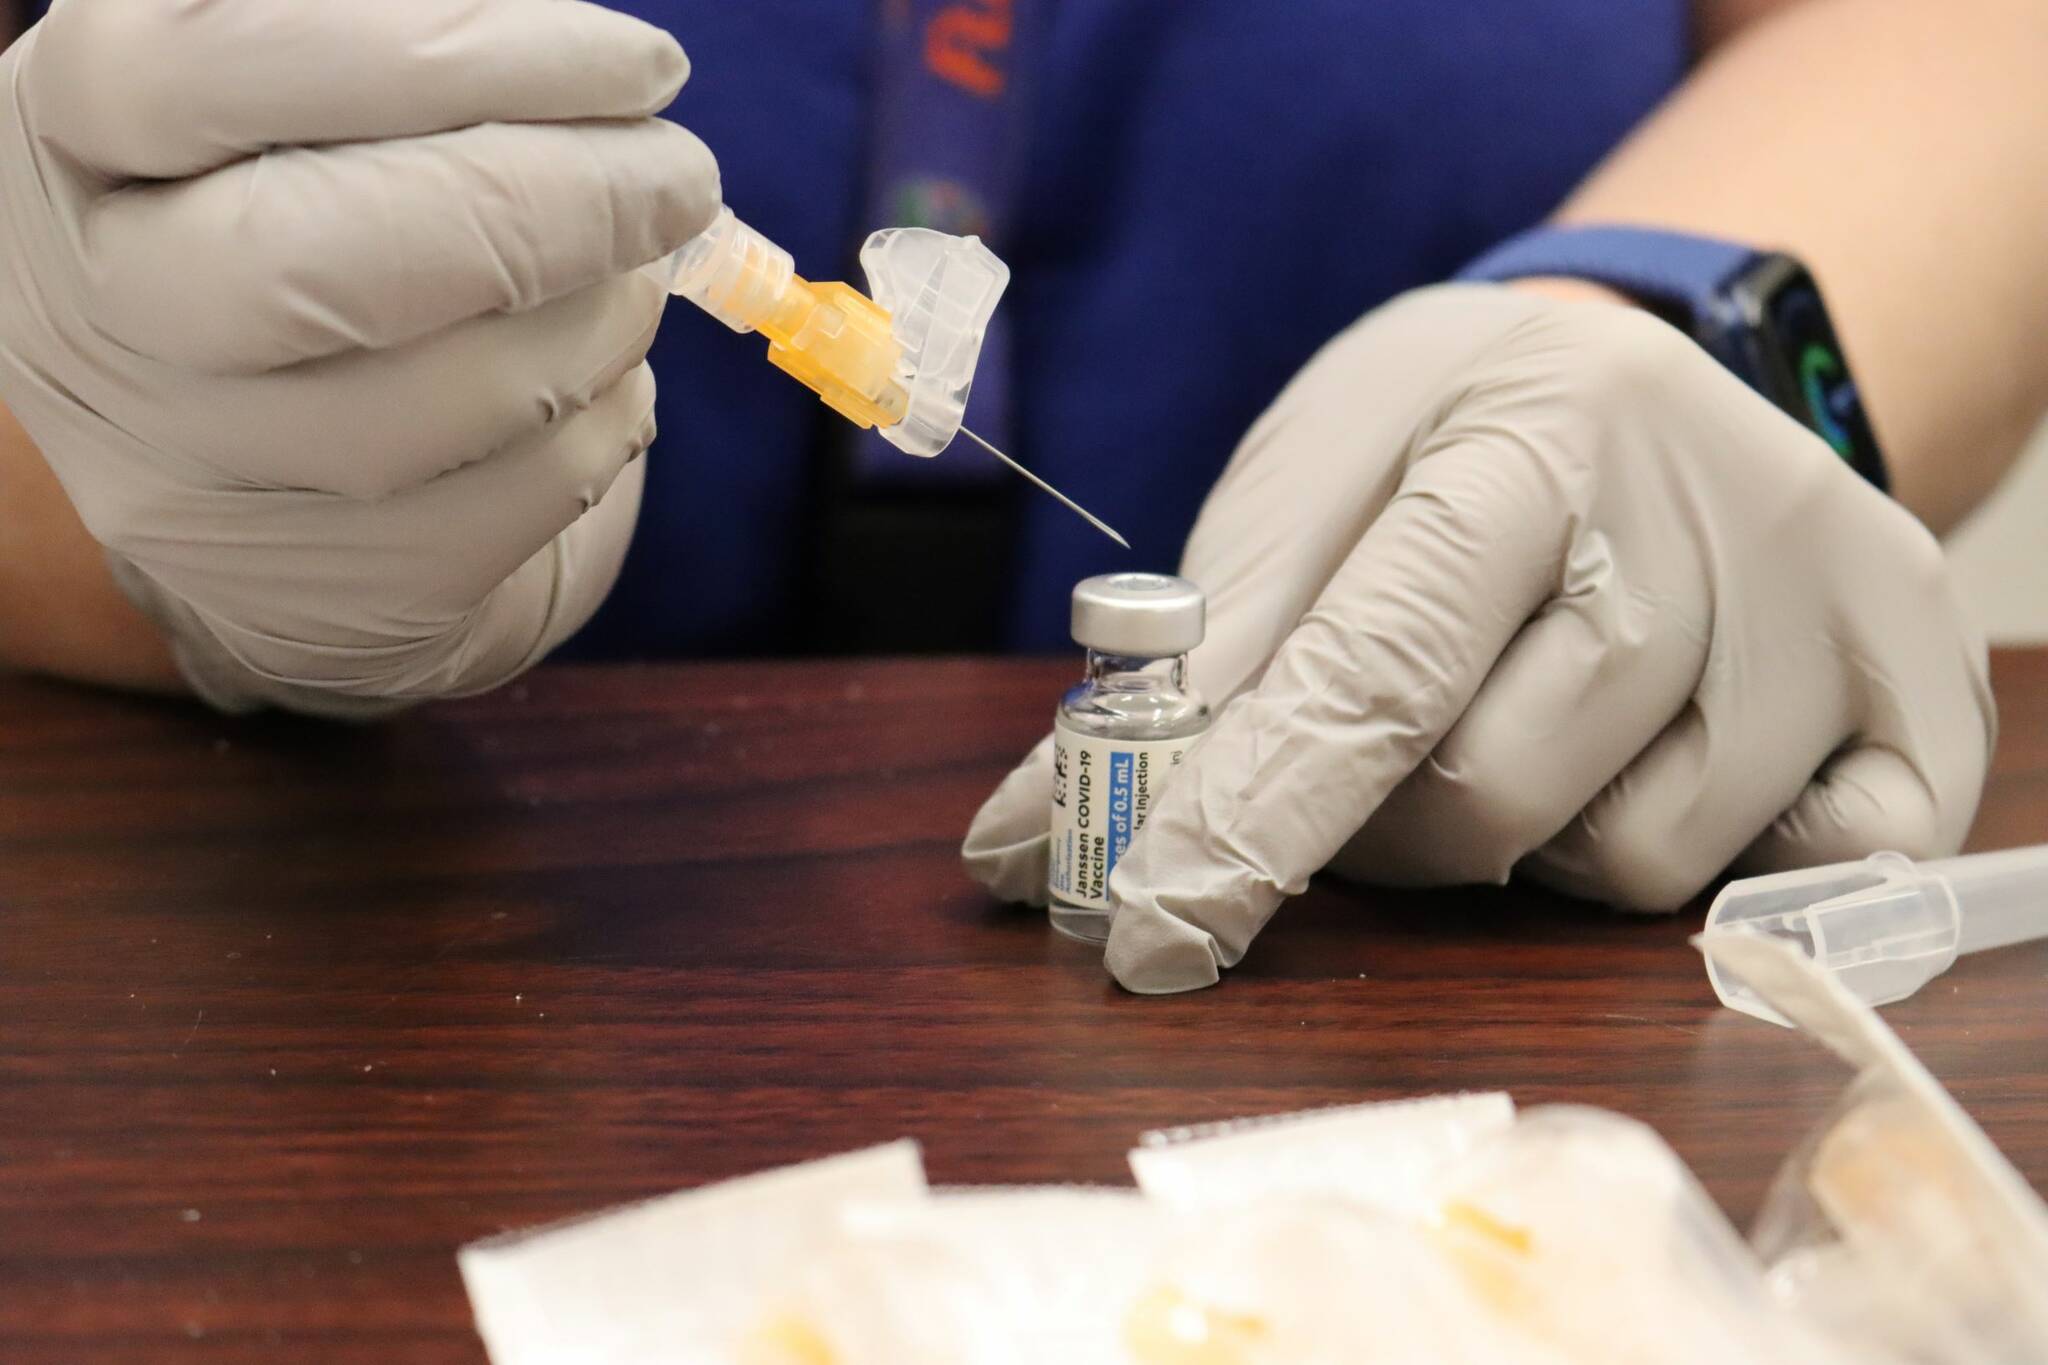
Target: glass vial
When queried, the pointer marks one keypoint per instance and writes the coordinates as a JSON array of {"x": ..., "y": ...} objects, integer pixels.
[{"x": 1119, "y": 734}]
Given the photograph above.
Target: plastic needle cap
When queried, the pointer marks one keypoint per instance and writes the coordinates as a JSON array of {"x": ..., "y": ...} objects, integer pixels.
[
  {"x": 901, "y": 362},
  {"x": 1886, "y": 926}
]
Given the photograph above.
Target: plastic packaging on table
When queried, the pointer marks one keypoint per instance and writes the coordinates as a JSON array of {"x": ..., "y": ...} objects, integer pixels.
[
  {"x": 1107, "y": 1277},
  {"x": 1625, "y": 1257},
  {"x": 1386, "y": 1156},
  {"x": 1562, "y": 1234},
  {"x": 1020, "y": 1276},
  {"x": 1451, "y": 1231},
  {"x": 1897, "y": 1225},
  {"x": 670, "y": 1281},
  {"x": 1297, "y": 1282}
]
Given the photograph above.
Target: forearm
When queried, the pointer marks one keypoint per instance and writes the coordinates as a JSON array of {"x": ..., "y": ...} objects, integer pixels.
[
  {"x": 1900, "y": 149},
  {"x": 60, "y": 612}
]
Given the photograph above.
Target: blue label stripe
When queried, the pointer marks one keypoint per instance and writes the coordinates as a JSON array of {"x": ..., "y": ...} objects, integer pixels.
[{"x": 1120, "y": 767}]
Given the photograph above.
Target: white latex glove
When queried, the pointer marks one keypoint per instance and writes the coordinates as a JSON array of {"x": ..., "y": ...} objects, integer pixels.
[
  {"x": 327, "y": 317},
  {"x": 1501, "y": 582}
]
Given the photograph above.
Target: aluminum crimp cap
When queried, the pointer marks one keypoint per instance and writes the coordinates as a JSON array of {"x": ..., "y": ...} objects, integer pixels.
[{"x": 1144, "y": 615}]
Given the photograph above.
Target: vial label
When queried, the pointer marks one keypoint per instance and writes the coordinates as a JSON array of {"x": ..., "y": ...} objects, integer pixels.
[{"x": 1102, "y": 790}]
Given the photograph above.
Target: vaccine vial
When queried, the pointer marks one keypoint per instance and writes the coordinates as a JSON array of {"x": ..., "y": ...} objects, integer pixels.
[{"x": 1119, "y": 735}]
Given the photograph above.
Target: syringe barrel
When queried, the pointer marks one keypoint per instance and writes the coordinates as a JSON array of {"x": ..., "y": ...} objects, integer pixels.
[
  {"x": 2002, "y": 896},
  {"x": 733, "y": 273}
]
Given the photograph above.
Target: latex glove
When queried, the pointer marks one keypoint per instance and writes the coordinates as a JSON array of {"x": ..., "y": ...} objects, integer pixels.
[
  {"x": 327, "y": 318},
  {"x": 1503, "y": 581}
]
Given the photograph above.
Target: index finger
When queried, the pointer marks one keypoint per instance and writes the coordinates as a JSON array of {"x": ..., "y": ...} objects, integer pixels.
[
  {"x": 305, "y": 254},
  {"x": 1357, "y": 695},
  {"x": 152, "y": 89}
]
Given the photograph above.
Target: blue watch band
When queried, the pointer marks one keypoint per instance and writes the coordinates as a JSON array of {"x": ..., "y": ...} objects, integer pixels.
[
  {"x": 1758, "y": 313},
  {"x": 1675, "y": 269}
]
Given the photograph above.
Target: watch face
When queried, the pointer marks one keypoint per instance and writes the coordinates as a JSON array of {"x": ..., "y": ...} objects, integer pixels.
[{"x": 1810, "y": 374}]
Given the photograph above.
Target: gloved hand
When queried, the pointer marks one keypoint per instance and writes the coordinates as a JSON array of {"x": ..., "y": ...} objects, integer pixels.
[
  {"x": 1508, "y": 582},
  {"x": 327, "y": 317}
]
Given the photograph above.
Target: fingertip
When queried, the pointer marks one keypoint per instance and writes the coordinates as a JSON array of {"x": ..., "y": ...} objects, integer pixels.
[
  {"x": 1006, "y": 845},
  {"x": 689, "y": 190},
  {"x": 1151, "y": 952},
  {"x": 671, "y": 70},
  {"x": 1866, "y": 800},
  {"x": 134, "y": 90},
  {"x": 1013, "y": 871},
  {"x": 644, "y": 63}
]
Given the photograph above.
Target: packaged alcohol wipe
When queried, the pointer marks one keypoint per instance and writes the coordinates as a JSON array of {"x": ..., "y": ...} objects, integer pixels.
[
  {"x": 1451, "y": 1229},
  {"x": 1896, "y": 1224},
  {"x": 1108, "y": 1277},
  {"x": 1385, "y": 1155},
  {"x": 1295, "y": 1281},
  {"x": 971, "y": 1277},
  {"x": 1585, "y": 1232},
  {"x": 678, "y": 1280}
]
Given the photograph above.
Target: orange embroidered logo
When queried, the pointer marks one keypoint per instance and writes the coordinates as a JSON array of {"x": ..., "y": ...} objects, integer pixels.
[{"x": 964, "y": 43}]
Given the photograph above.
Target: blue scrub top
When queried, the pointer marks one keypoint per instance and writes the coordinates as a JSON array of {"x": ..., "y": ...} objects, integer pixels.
[{"x": 1213, "y": 190}]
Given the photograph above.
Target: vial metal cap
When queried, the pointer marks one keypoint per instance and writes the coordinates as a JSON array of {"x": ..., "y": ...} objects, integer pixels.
[{"x": 1144, "y": 615}]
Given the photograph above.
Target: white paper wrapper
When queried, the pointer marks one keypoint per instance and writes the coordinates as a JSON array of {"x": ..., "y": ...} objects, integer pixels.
[
  {"x": 1897, "y": 1225},
  {"x": 1381, "y": 1156},
  {"x": 1449, "y": 1229},
  {"x": 676, "y": 1280},
  {"x": 1585, "y": 1232},
  {"x": 975, "y": 1277}
]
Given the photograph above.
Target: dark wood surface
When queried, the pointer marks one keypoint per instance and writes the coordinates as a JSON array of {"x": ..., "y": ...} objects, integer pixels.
[{"x": 288, "y": 1012}]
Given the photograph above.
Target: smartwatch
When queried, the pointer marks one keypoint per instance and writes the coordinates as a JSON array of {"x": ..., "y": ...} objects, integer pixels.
[{"x": 1757, "y": 312}]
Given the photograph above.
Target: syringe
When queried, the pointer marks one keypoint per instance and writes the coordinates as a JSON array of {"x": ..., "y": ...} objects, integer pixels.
[{"x": 900, "y": 362}]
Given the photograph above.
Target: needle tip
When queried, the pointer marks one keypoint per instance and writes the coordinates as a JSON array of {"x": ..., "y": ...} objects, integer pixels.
[{"x": 1097, "y": 522}]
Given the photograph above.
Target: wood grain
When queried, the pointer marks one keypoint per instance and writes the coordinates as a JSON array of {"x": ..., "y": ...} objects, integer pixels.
[{"x": 288, "y": 1012}]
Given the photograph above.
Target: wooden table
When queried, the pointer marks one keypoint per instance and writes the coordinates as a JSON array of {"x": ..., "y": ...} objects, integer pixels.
[{"x": 288, "y": 1012}]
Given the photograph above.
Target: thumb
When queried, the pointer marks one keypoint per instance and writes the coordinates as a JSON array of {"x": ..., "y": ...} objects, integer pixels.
[
  {"x": 1364, "y": 688},
  {"x": 1005, "y": 849},
  {"x": 1867, "y": 799},
  {"x": 306, "y": 254}
]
